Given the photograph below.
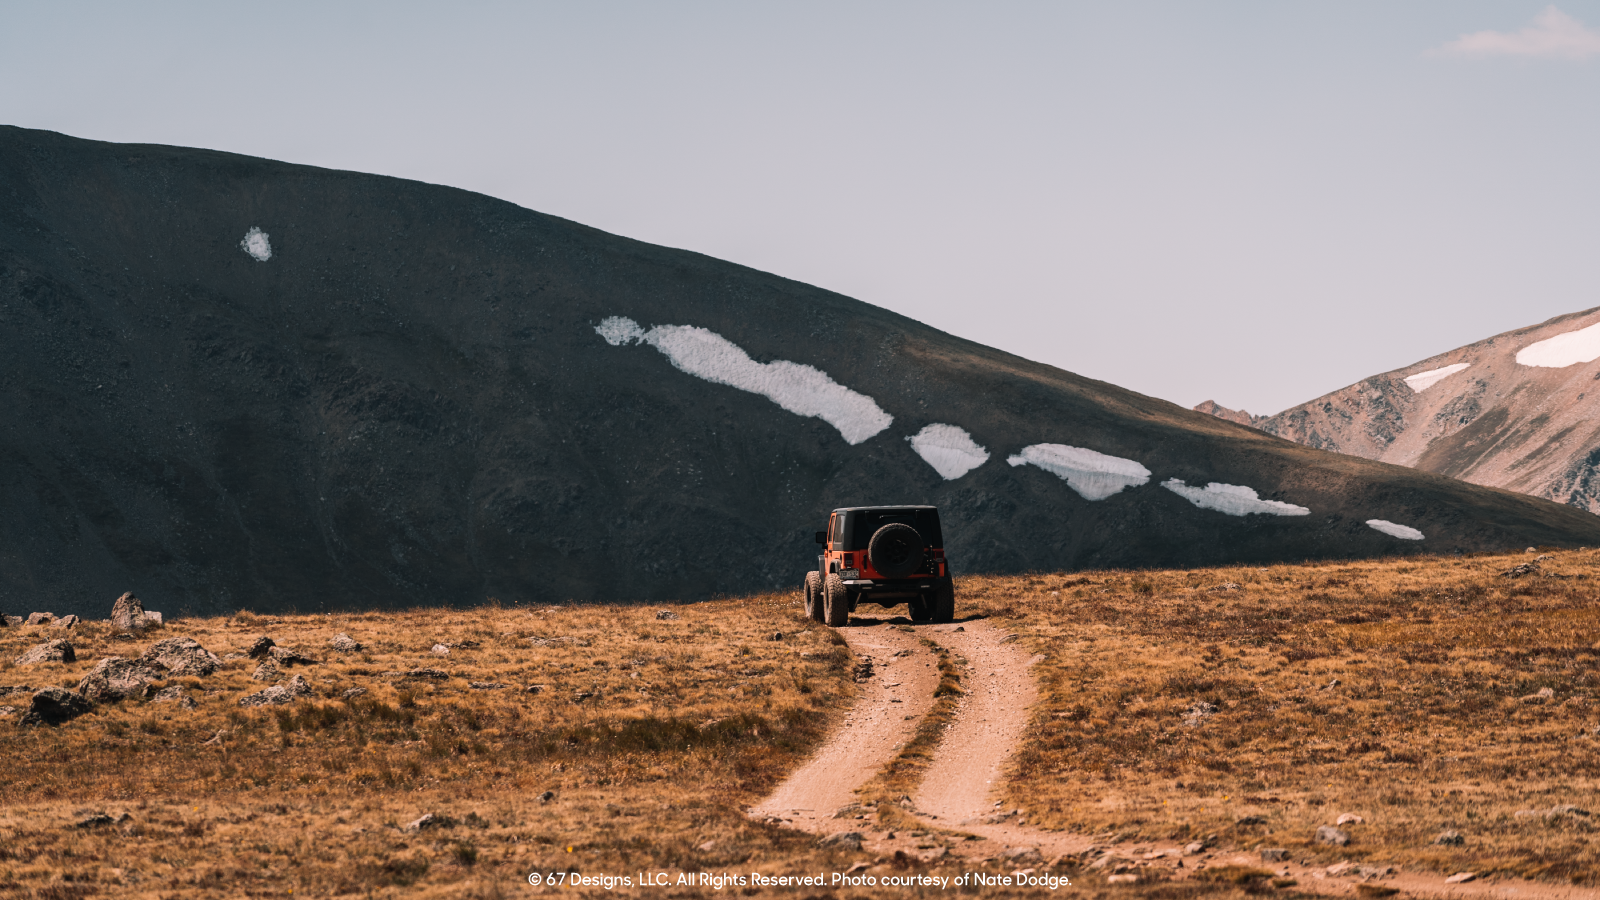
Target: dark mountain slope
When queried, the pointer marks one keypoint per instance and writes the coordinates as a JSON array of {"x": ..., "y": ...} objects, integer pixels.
[{"x": 408, "y": 402}]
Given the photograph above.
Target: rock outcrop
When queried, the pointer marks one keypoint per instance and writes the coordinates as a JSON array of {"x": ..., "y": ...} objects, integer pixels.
[
  {"x": 115, "y": 678},
  {"x": 54, "y": 705},
  {"x": 181, "y": 656},
  {"x": 50, "y": 651},
  {"x": 127, "y": 613},
  {"x": 297, "y": 688}
]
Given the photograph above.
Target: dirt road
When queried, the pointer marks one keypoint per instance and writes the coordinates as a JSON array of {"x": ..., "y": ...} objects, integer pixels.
[{"x": 958, "y": 795}]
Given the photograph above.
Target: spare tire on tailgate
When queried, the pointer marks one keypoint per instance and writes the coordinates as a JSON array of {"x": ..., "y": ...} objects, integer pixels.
[{"x": 896, "y": 550}]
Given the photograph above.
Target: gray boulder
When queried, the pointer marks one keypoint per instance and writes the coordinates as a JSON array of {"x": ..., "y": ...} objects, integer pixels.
[
  {"x": 40, "y": 618},
  {"x": 279, "y": 694},
  {"x": 283, "y": 656},
  {"x": 267, "y": 671},
  {"x": 1327, "y": 834},
  {"x": 181, "y": 656},
  {"x": 68, "y": 621},
  {"x": 176, "y": 695},
  {"x": 115, "y": 678},
  {"x": 344, "y": 643},
  {"x": 844, "y": 840},
  {"x": 49, "y": 651},
  {"x": 261, "y": 647},
  {"x": 54, "y": 705},
  {"x": 128, "y": 613}
]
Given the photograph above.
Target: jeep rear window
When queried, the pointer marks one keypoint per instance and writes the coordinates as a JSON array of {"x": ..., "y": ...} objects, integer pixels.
[{"x": 860, "y": 526}]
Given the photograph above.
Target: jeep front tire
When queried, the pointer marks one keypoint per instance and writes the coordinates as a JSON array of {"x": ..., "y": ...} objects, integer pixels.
[{"x": 836, "y": 602}]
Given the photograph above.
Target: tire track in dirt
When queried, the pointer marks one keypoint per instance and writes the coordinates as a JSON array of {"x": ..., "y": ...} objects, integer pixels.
[
  {"x": 958, "y": 791},
  {"x": 886, "y": 713}
]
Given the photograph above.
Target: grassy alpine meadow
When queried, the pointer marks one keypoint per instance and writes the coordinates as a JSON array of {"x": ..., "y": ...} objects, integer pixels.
[
  {"x": 1438, "y": 699},
  {"x": 1450, "y": 703}
]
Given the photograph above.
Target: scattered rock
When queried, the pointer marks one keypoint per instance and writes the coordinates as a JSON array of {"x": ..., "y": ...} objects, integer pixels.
[
  {"x": 1252, "y": 820},
  {"x": 353, "y": 692},
  {"x": 127, "y": 614},
  {"x": 1327, "y": 834},
  {"x": 848, "y": 810},
  {"x": 1461, "y": 878},
  {"x": 267, "y": 671},
  {"x": 1024, "y": 856},
  {"x": 1010, "y": 639},
  {"x": 8, "y": 710},
  {"x": 863, "y": 671},
  {"x": 534, "y": 688},
  {"x": 1227, "y": 586},
  {"x": 97, "y": 819},
  {"x": 1198, "y": 713},
  {"x": 775, "y": 636},
  {"x": 283, "y": 656},
  {"x": 666, "y": 615},
  {"x": 1375, "y": 890},
  {"x": 182, "y": 656},
  {"x": 429, "y": 820},
  {"x": 580, "y": 696},
  {"x": 67, "y": 621},
  {"x": 1527, "y": 568},
  {"x": 152, "y": 618},
  {"x": 1123, "y": 878},
  {"x": 1450, "y": 839},
  {"x": 344, "y": 643},
  {"x": 174, "y": 694},
  {"x": 40, "y": 618},
  {"x": 49, "y": 651},
  {"x": 1350, "y": 819},
  {"x": 115, "y": 678},
  {"x": 279, "y": 694},
  {"x": 547, "y": 796},
  {"x": 844, "y": 840},
  {"x": 485, "y": 685},
  {"x": 261, "y": 647},
  {"x": 1194, "y": 848},
  {"x": 54, "y": 705},
  {"x": 441, "y": 650},
  {"x": 464, "y": 645},
  {"x": 1274, "y": 854},
  {"x": 1331, "y": 685},
  {"x": 1542, "y": 695},
  {"x": 13, "y": 620}
]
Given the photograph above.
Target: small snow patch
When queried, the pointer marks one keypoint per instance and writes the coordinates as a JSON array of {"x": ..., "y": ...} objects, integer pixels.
[
  {"x": 1563, "y": 350},
  {"x": 618, "y": 330},
  {"x": 798, "y": 388},
  {"x": 1424, "y": 380},
  {"x": 1233, "y": 499},
  {"x": 1403, "y": 532},
  {"x": 949, "y": 449},
  {"x": 1095, "y": 476},
  {"x": 256, "y": 244}
]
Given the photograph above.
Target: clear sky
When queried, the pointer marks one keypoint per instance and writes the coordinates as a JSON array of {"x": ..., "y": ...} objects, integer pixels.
[{"x": 1256, "y": 202}]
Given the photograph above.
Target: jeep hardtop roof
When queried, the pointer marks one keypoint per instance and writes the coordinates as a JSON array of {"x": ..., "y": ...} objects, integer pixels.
[{"x": 860, "y": 522}]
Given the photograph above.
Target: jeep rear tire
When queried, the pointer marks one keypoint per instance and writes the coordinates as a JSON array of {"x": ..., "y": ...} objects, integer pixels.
[
  {"x": 896, "y": 551},
  {"x": 944, "y": 601},
  {"x": 814, "y": 596},
  {"x": 835, "y": 602}
]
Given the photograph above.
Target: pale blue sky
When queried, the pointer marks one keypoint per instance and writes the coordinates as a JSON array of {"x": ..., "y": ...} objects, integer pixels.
[{"x": 1251, "y": 202}]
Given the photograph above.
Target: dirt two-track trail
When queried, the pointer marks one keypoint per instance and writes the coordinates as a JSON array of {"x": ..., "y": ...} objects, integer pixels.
[{"x": 959, "y": 794}]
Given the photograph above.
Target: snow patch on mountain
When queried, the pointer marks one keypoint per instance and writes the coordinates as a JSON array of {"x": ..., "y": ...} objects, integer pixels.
[
  {"x": 1424, "y": 380},
  {"x": 949, "y": 449},
  {"x": 1403, "y": 532},
  {"x": 256, "y": 244},
  {"x": 1095, "y": 476},
  {"x": 798, "y": 388},
  {"x": 1563, "y": 350},
  {"x": 1233, "y": 499}
]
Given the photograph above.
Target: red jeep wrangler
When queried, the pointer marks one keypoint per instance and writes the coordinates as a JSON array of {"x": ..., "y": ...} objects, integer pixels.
[{"x": 886, "y": 555}]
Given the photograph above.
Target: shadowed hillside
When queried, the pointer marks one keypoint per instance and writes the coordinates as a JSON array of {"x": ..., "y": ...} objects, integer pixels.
[{"x": 231, "y": 382}]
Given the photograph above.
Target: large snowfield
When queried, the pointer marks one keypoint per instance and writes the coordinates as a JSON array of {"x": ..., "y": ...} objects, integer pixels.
[
  {"x": 1563, "y": 350},
  {"x": 949, "y": 449},
  {"x": 1094, "y": 475},
  {"x": 1424, "y": 380},
  {"x": 796, "y": 387},
  {"x": 1233, "y": 499}
]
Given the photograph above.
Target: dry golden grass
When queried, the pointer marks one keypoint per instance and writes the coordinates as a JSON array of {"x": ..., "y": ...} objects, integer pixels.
[
  {"x": 1424, "y": 732},
  {"x": 656, "y": 735},
  {"x": 653, "y": 735}
]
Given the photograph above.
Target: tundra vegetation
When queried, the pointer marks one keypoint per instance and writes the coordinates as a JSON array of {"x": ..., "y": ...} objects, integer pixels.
[{"x": 1242, "y": 706}]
